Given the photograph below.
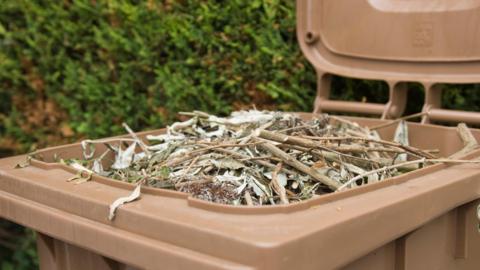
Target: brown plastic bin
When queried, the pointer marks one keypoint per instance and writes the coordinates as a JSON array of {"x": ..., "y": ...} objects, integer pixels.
[
  {"x": 426, "y": 219},
  {"x": 422, "y": 219}
]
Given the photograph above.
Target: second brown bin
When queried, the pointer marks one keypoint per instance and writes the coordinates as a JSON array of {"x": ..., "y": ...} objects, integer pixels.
[{"x": 426, "y": 219}]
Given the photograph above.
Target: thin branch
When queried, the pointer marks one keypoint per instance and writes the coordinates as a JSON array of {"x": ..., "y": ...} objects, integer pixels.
[
  {"x": 398, "y": 120},
  {"x": 137, "y": 139},
  {"x": 410, "y": 149},
  {"x": 277, "y": 186},
  {"x": 418, "y": 161},
  {"x": 287, "y": 159},
  {"x": 258, "y": 161},
  {"x": 470, "y": 143},
  {"x": 248, "y": 198}
]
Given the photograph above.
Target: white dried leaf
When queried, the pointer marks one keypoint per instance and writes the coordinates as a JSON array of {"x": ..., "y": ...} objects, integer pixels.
[
  {"x": 353, "y": 168},
  {"x": 373, "y": 178},
  {"x": 97, "y": 167},
  {"x": 120, "y": 201},
  {"x": 158, "y": 147},
  {"x": 281, "y": 177},
  {"x": 123, "y": 159},
  {"x": 200, "y": 131},
  {"x": 251, "y": 116},
  {"x": 306, "y": 159},
  {"x": 241, "y": 187},
  {"x": 401, "y": 137},
  {"x": 88, "y": 149},
  {"x": 173, "y": 129},
  {"x": 227, "y": 163},
  {"x": 401, "y": 133},
  {"x": 80, "y": 167},
  {"x": 166, "y": 137},
  {"x": 258, "y": 188},
  {"x": 332, "y": 174},
  {"x": 139, "y": 156},
  {"x": 343, "y": 172},
  {"x": 244, "y": 117},
  {"x": 229, "y": 177}
]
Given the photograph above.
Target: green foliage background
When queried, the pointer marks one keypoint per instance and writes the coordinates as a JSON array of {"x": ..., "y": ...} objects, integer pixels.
[{"x": 79, "y": 68}]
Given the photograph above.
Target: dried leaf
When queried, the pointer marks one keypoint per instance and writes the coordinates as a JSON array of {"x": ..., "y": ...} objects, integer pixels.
[
  {"x": 227, "y": 163},
  {"x": 244, "y": 117},
  {"x": 401, "y": 136},
  {"x": 88, "y": 149},
  {"x": 158, "y": 147},
  {"x": 24, "y": 164},
  {"x": 81, "y": 178},
  {"x": 120, "y": 201},
  {"x": 166, "y": 137},
  {"x": 228, "y": 177},
  {"x": 123, "y": 159},
  {"x": 241, "y": 187},
  {"x": 97, "y": 167},
  {"x": 281, "y": 177},
  {"x": 353, "y": 168},
  {"x": 259, "y": 188},
  {"x": 80, "y": 167},
  {"x": 373, "y": 178}
]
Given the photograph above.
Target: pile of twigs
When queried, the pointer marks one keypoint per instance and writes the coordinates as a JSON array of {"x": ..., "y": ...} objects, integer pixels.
[{"x": 257, "y": 157}]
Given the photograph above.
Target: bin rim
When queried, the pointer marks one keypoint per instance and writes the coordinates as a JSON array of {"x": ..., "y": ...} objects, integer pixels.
[{"x": 244, "y": 209}]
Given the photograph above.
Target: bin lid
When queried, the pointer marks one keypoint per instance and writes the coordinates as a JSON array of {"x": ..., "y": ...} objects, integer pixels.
[{"x": 429, "y": 41}]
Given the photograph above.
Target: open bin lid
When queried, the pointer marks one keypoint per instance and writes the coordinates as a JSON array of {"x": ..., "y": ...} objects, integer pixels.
[
  {"x": 421, "y": 40},
  {"x": 396, "y": 41}
]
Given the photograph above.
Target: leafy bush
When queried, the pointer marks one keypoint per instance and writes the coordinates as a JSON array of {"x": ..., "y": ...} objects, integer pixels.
[
  {"x": 17, "y": 247},
  {"x": 80, "y": 68}
]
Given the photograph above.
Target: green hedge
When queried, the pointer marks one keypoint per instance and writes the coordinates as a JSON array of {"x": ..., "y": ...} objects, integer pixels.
[
  {"x": 76, "y": 68},
  {"x": 83, "y": 67}
]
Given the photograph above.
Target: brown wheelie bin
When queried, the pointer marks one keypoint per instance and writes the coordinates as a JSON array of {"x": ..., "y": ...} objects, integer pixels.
[{"x": 425, "y": 219}]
